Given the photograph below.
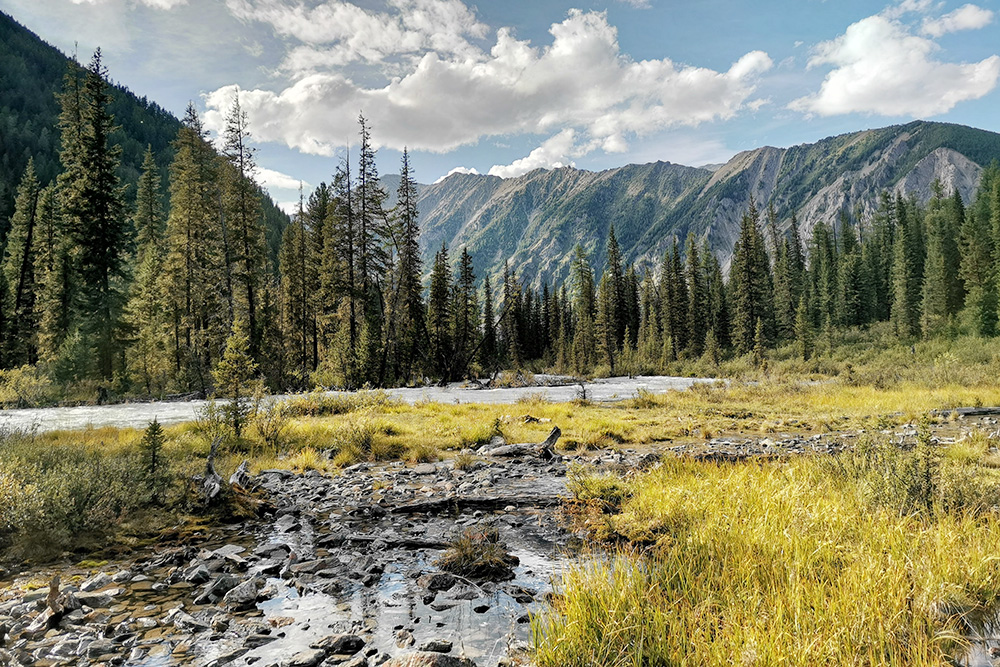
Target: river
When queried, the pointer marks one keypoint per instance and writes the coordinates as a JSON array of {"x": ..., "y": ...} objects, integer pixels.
[{"x": 137, "y": 415}]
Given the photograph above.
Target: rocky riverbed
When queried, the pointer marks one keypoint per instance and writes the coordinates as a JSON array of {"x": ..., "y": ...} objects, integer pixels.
[{"x": 344, "y": 570}]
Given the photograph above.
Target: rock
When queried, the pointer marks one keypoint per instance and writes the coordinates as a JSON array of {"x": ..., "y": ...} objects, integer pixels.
[
  {"x": 428, "y": 659},
  {"x": 198, "y": 574},
  {"x": 256, "y": 641},
  {"x": 94, "y": 600},
  {"x": 185, "y": 622},
  {"x": 441, "y": 581},
  {"x": 122, "y": 576},
  {"x": 308, "y": 658},
  {"x": 340, "y": 644},
  {"x": 228, "y": 657},
  {"x": 215, "y": 591},
  {"x": 436, "y": 646},
  {"x": 96, "y": 582},
  {"x": 243, "y": 596},
  {"x": 404, "y": 638},
  {"x": 100, "y": 647},
  {"x": 424, "y": 469}
]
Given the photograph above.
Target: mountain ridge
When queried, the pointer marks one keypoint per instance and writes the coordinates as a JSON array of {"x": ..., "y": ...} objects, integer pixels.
[{"x": 533, "y": 221}]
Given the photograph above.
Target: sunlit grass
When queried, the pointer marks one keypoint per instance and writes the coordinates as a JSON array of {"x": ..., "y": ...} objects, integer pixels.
[{"x": 796, "y": 563}]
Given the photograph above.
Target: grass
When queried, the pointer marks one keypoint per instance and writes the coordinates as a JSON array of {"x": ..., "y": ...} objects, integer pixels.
[
  {"x": 480, "y": 553},
  {"x": 878, "y": 557}
]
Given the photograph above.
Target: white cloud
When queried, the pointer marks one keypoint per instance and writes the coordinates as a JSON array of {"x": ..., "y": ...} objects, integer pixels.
[
  {"x": 446, "y": 99},
  {"x": 269, "y": 178},
  {"x": 336, "y": 32},
  {"x": 638, "y": 4},
  {"x": 458, "y": 170},
  {"x": 966, "y": 17},
  {"x": 155, "y": 4},
  {"x": 554, "y": 153},
  {"x": 882, "y": 67}
]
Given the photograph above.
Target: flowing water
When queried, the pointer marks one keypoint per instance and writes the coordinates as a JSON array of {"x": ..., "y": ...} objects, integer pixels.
[{"x": 137, "y": 415}]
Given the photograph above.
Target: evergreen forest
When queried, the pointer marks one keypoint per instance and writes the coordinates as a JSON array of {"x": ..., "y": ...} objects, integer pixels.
[{"x": 108, "y": 296}]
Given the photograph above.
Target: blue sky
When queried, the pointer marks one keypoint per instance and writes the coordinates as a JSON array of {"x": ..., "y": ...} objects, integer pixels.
[{"x": 503, "y": 87}]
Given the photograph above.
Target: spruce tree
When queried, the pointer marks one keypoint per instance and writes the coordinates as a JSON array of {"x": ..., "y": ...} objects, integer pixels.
[
  {"x": 977, "y": 267},
  {"x": 584, "y": 306},
  {"x": 750, "y": 285},
  {"x": 296, "y": 262},
  {"x": 148, "y": 354},
  {"x": 101, "y": 230},
  {"x": 18, "y": 344},
  {"x": 243, "y": 234},
  {"x": 465, "y": 313},
  {"x": 236, "y": 377},
  {"x": 411, "y": 322},
  {"x": 698, "y": 312},
  {"x": 439, "y": 316},
  {"x": 488, "y": 349}
]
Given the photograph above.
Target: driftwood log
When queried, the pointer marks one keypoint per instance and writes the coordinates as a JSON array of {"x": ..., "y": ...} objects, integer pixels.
[
  {"x": 473, "y": 503},
  {"x": 543, "y": 450}
]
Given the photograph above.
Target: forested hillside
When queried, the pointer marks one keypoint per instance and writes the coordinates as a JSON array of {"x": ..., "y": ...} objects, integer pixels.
[
  {"x": 534, "y": 221},
  {"x": 31, "y": 76}
]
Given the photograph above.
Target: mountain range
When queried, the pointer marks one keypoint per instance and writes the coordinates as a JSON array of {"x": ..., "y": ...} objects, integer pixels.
[{"x": 534, "y": 221}]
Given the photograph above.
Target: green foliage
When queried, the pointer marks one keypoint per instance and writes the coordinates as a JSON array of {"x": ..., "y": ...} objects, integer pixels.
[
  {"x": 236, "y": 378},
  {"x": 156, "y": 466}
]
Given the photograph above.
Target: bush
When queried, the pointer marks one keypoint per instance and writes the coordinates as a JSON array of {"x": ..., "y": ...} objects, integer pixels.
[{"x": 24, "y": 387}]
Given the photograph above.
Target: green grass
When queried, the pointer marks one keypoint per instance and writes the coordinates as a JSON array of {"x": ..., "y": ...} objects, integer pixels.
[{"x": 879, "y": 557}]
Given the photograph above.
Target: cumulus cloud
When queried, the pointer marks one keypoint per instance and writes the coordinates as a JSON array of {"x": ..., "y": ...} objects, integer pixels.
[
  {"x": 966, "y": 17},
  {"x": 269, "y": 178},
  {"x": 155, "y": 4},
  {"x": 881, "y": 66},
  {"x": 552, "y": 154},
  {"x": 335, "y": 32},
  {"x": 581, "y": 81},
  {"x": 458, "y": 170}
]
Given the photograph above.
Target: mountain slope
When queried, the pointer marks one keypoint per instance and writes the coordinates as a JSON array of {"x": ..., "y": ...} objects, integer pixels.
[{"x": 535, "y": 220}]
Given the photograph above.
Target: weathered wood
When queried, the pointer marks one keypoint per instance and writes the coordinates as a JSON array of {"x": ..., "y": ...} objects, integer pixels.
[
  {"x": 473, "y": 503},
  {"x": 212, "y": 484},
  {"x": 543, "y": 450}
]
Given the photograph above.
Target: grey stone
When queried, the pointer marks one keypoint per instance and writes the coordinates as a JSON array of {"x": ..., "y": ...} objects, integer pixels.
[
  {"x": 308, "y": 658},
  {"x": 436, "y": 646},
  {"x": 428, "y": 659},
  {"x": 341, "y": 644},
  {"x": 96, "y": 582}
]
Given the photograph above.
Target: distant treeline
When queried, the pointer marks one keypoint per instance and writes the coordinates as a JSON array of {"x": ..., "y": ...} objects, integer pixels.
[{"x": 147, "y": 299}]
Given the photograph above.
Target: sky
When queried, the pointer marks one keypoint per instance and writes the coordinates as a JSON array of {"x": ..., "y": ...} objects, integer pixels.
[{"x": 506, "y": 86}]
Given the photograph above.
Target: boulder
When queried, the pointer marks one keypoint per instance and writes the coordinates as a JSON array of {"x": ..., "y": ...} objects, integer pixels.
[{"x": 428, "y": 659}]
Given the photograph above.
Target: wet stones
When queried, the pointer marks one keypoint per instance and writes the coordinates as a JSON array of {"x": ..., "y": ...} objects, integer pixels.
[{"x": 428, "y": 659}]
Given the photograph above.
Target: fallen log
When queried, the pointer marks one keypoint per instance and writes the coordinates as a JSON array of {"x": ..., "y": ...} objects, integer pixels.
[
  {"x": 544, "y": 450},
  {"x": 473, "y": 503}
]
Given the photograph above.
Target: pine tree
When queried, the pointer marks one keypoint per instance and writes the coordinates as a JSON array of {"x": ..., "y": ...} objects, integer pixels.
[
  {"x": 17, "y": 342},
  {"x": 977, "y": 268},
  {"x": 296, "y": 263},
  {"x": 148, "y": 353},
  {"x": 235, "y": 377},
  {"x": 606, "y": 325},
  {"x": 101, "y": 231},
  {"x": 804, "y": 333},
  {"x": 613, "y": 269},
  {"x": 439, "y": 316},
  {"x": 53, "y": 274},
  {"x": 510, "y": 344},
  {"x": 466, "y": 314},
  {"x": 155, "y": 466},
  {"x": 907, "y": 273},
  {"x": 488, "y": 349},
  {"x": 197, "y": 274},
  {"x": 584, "y": 306},
  {"x": 243, "y": 233},
  {"x": 751, "y": 287},
  {"x": 411, "y": 322},
  {"x": 697, "y": 314},
  {"x": 939, "y": 276},
  {"x": 848, "y": 302}
]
